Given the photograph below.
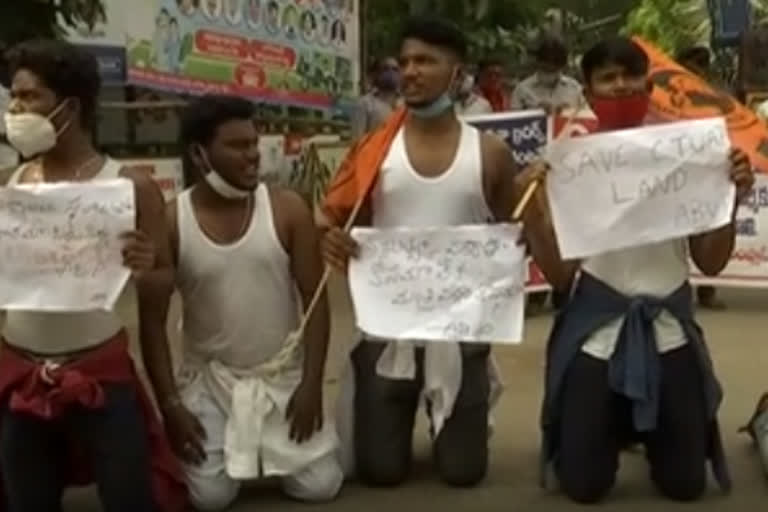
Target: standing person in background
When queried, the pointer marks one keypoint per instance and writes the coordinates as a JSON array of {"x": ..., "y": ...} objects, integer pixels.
[
  {"x": 490, "y": 82},
  {"x": 552, "y": 91},
  {"x": 697, "y": 59},
  {"x": 379, "y": 103},
  {"x": 548, "y": 88},
  {"x": 468, "y": 102}
]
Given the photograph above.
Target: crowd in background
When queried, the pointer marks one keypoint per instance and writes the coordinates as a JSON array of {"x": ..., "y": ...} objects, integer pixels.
[{"x": 486, "y": 87}]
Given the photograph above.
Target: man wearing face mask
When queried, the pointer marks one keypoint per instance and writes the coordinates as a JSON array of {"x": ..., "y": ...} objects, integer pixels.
[
  {"x": 67, "y": 377},
  {"x": 490, "y": 82},
  {"x": 423, "y": 168},
  {"x": 626, "y": 359},
  {"x": 468, "y": 102},
  {"x": 378, "y": 104},
  {"x": 247, "y": 258},
  {"x": 548, "y": 88}
]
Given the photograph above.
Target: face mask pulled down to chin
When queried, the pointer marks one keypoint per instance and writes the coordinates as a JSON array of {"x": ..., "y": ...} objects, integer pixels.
[
  {"x": 620, "y": 112},
  {"x": 221, "y": 186},
  {"x": 32, "y": 134}
]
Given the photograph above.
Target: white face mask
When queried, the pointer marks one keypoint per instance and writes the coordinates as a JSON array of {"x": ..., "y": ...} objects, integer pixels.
[
  {"x": 32, "y": 134},
  {"x": 220, "y": 185}
]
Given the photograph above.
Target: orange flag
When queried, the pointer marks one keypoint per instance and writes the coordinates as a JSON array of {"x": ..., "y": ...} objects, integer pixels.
[
  {"x": 679, "y": 94},
  {"x": 359, "y": 170}
]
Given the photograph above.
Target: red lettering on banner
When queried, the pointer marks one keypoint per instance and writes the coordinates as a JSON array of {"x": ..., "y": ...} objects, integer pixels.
[
  {"x": 221, "y": 45},
  {"x": 195, "y": 86},
  {"x": 273, "y": 55}
]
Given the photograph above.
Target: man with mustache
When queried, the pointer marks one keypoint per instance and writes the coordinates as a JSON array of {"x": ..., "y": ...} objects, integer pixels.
[{"x": 431, "y": 170}]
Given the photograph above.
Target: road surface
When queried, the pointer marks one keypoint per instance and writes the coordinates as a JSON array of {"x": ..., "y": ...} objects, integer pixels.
[{"x": 738, "y": 339}]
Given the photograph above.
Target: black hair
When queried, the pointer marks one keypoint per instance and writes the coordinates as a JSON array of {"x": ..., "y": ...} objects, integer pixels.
[
  {"x": 617, "y": 50},
  {"x": 379, "y": 63},
  {"x": 551, "y": 50},
  {"x": 68, "y": 70},
  {"x": 174, "y": 21},
  {"x": 490, "y": 62},
  {"x": 203, "y": 116},
  {"x": 694, "y": 53},
  {"x": 195, "y": 3},
  {"x": 200, "y": 121},
  {"x": 436, "y": 32}
]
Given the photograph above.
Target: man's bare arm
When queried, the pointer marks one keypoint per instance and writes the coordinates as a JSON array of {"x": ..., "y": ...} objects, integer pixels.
[
  {"x": 307, "y": 269},
  {"x": 154, "y": 288},
  {"x": 711, "y": 251},
  {"x": 506, "y": 190}
]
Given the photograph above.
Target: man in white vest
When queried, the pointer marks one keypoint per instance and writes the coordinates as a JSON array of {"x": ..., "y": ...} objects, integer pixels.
[
  {"x": 436, "y": 171},
  {"x": 248, "y": 258}
]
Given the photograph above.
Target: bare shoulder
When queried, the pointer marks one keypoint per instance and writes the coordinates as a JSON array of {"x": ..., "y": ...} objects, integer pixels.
[
  {"x": 170, "y": 212},
  {"x": 492, "y": 144},
  {"x": 289, "y": 203},
  {"x": 496, "y": 153},
  {"x": 142, "y": 181}
]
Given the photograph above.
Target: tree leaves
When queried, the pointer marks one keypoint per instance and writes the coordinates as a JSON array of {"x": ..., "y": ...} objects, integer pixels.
[{"x": 25, "y": 19}]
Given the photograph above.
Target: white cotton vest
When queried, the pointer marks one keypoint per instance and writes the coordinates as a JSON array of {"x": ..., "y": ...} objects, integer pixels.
[
  {"x": 402, "y": 197},
  {"x": 655, "y": 270},
  {"x": 48, "y": 333},
  {"x": 239, "y": 299}
]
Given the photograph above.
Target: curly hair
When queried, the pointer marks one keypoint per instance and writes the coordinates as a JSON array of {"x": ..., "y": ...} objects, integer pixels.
[{"x": 67, "y": 70}]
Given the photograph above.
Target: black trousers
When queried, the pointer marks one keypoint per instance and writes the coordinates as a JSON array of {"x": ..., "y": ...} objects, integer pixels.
[
  {"x": 115, "y": 441},
  {"x": 385, "y": 412},
  {"x": 597, "y": 423}
]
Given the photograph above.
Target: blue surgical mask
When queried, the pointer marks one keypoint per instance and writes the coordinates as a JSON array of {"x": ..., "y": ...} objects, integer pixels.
[
  {"x": 441, "y": 105},
  {"x": 435, "y": 109}
]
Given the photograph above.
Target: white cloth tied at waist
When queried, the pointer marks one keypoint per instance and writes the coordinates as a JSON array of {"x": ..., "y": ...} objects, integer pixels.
[
  {"x": 257, "y": 439},
  {"x": 443, "y": 369}
]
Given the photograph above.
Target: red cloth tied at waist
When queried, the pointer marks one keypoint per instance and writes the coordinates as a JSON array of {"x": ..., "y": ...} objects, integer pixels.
[{"x": 47, "y": 390}]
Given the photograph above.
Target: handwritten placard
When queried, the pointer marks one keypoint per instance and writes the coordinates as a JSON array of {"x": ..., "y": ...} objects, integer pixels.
[
  {"x": 442, "y": 284},
  {"x": 60, "y": 247},
  {"x": 634, "y": 187}
]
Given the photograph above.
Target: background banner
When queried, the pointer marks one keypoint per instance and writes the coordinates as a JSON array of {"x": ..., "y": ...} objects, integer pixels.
[{"x": 295, "y": 52}]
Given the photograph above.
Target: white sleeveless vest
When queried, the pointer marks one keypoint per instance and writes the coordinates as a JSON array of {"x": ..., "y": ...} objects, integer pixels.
[
  {"x": 239, "y": 299},
  {"x": 60, "y": 333}
]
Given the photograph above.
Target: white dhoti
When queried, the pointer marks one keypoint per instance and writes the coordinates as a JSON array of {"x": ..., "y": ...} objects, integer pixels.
[{"x": 248, "y": 437}]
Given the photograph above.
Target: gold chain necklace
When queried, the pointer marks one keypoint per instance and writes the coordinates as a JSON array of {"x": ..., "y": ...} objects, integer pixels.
[
  {"x": 39, "y": 176},
  {"x": 244, "y": 225}
]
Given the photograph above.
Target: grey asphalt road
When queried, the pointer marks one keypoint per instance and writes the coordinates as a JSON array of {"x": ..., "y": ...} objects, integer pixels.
[{"x": 739, "y": 346}]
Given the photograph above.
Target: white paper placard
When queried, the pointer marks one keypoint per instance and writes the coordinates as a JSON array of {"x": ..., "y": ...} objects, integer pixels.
[
  {"x": 441, "y": 284},
  {"x": 60, "y": 247},
  {"x": 629, "y": 188}
]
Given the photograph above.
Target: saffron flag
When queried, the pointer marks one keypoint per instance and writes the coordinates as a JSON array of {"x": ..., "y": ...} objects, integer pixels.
[
  {"x": 359, "y": 170},
  {"x": 679, "y": 94}
]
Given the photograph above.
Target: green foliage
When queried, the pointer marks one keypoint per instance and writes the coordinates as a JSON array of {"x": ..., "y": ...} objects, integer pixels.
[
  {"x": 671, "y": 24},
  {"x": 24, "y": 19},
  {"x": 492, "y": 27}
]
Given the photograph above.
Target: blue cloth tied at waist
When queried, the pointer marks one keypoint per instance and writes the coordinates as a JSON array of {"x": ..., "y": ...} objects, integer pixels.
[{"x": 635, "y": 366}]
